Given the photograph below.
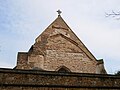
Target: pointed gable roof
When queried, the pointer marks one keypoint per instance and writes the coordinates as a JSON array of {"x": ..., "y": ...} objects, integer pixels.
[{"x": 59, "y": 26}]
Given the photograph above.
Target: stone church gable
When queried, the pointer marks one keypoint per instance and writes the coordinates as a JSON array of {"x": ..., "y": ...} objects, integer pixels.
[
  {"x": 58, "y": 60},
  {"x": 58, "y": 46},
  {"x": 59, "y": 26}
]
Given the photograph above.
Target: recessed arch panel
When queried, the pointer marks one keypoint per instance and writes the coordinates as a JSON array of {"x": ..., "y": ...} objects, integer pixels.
[{"x": 63, "y": 69}]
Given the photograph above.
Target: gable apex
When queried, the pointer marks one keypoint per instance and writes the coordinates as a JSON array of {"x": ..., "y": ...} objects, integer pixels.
[
  {"x": 59, "y": 46},
  {"x": 58, "y": 23},
  {"x": 59, "y": 26}
]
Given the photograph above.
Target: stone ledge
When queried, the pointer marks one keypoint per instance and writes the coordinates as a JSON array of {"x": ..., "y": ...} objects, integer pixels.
[
  {"x": 36, "y": 78},
  {"x": 41, "y": 72},
  {"x": 56, "y": 86}
]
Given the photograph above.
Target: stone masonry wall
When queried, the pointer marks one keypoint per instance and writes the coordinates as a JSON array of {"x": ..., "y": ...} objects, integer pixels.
[
  {"x": 57, "y": 47},
  {"x": 63, "y": 52},
  {"x": 39, "y": 80}
]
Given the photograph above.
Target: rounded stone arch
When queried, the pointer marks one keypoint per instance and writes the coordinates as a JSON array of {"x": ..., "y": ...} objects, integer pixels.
[{"x": 63, "y": 69}]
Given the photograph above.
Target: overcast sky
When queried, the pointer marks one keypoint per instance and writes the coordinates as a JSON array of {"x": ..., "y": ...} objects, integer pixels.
[{"x": 21, "y": 21}]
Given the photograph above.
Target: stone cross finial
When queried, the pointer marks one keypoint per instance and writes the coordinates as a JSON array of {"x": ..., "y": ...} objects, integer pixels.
[{"x": 59, "y": 12}]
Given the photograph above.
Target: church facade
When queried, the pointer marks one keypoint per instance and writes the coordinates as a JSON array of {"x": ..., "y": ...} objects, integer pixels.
[
  {"x": 59, "y": 49},
  {"x": 58, "y": 60}
]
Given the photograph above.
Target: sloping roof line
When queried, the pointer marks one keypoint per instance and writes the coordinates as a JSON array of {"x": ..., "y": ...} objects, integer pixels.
[
  {"x": 80, "y": 41},
  {"x": 85, "y": 49},
  {"x": 72, "y": 41}
]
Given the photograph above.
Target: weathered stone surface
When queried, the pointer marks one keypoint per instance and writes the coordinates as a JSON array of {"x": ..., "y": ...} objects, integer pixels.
[
  {"x": 42, "y": 80},
  {"x": 58, "y": 47}
]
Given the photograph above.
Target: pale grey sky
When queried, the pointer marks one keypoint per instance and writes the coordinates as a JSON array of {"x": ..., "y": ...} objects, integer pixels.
[{"x": 21, "y": 21}]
